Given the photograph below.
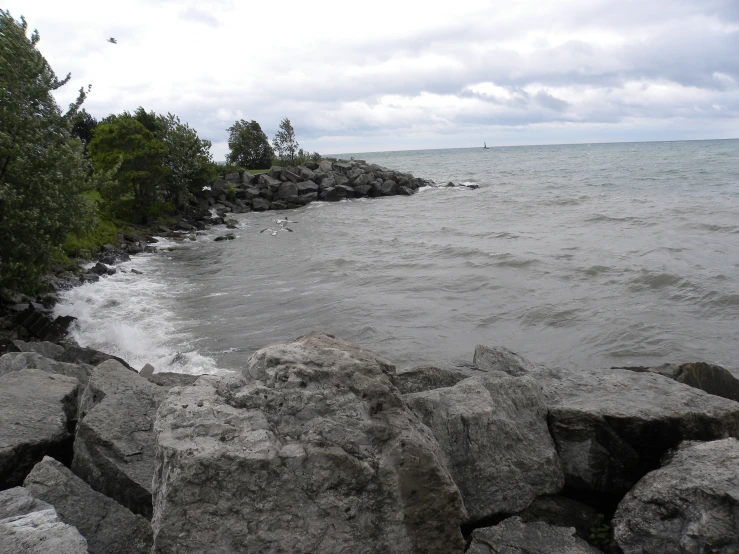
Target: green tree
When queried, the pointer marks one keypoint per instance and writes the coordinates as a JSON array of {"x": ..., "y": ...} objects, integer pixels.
[
  {"x": 285, "y": 144},
  {"x": 43, "y": 171},
  {"x": 249, "y": 146},
  {"x": 83, "y": 127},
  {"x": 124, "y": 145},
  {"x": 189, "y": 163}
]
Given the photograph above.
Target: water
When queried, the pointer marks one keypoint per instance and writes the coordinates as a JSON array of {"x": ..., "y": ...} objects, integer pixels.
[{"x": 582, "y": 255}]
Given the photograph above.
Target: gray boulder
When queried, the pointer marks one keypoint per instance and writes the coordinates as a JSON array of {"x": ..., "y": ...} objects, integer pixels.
[
  {"x": 260, "y": 204},
  {"x": 612, "y": 426},
  {"x": 108, "y": 527},
  {"x": 269, "y": 182},
  {"x": 512, "y": 536},
  {"x": 388, "y": 188},
  {"x": 114, "y": 446},
  {"x": 495, "y": 443},
  {"x": 364, "y": 179},
  {"x": 360, "y": 191},
  {"x": 38, "y": 532},
  {"x": 325, "y": 165},
  {"x": 287, "y": 189},
  {"x": 18, "y": 501},
  {"x": 501, "y": 359},
  {"x": 306, "y": 174},
  {"x": 46, "y": 349},
  {"x": 15, "y": 361},
  {"x": 405, "y": 191},
  {"x": 690, "y": 505},
  {"x": 345, "y": 191},
  {"x": 37, "y": 410},
  {"x": 330, "y": 194},
  {"x": 710, "y": 378},
  {"x": 168, "y": 379},
  {"x": 310, "y": 449},
  {"x": 307, "y": 187}
]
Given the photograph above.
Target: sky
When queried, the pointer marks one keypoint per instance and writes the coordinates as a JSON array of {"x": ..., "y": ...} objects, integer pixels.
[{"x": 399, "y": 75}]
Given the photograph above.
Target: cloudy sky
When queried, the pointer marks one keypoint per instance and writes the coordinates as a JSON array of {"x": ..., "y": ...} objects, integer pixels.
[{"x": 397, "y": 74}]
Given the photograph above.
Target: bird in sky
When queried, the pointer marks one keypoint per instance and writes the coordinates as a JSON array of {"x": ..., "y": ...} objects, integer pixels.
[{"x": 112, "y": 40}]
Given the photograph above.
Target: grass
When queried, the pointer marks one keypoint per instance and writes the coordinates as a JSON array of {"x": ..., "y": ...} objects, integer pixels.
[{"x": 257, "y": 171}]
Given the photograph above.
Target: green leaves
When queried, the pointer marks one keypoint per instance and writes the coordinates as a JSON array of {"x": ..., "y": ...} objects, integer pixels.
[
  {"x": 249, "y": 147},
  {"x": 285, "y": 144},
  {"x": 43, "y": 171}
]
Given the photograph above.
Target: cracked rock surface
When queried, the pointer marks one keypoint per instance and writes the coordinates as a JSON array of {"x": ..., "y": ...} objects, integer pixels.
[{"x": 310, "y": 449}]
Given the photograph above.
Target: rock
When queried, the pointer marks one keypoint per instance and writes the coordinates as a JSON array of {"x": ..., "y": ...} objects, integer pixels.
[
  {"x": 221, "y": 238},
  {"x": 232, "y": 223},
  {"x": 306, "y": 187},
  {"x": 419, "y": 379},
  {"x": 184, "y": 226},
  {"x": 19, "y": 501},
  {"x": 325, "y": 165},
  {"x": 278, "y": 206},
  {"x": 17, "y": 361},
  {"x": 100, "y": 269},
  {"x": 46, "y": 349},
  {"x": 364, "y": 179},
  {"x": 108, "y": 527},
  {"x": 309, "y": 197},
  {"x": 78, "y": 355},
  {"x": 287, "y": 189},
  {"x": 275, "y": 172},
  {"x": 310, "y": 449},
  {"x": 270, "y": 182},
  {"x": 495, "y": 442},
  {"x": 37, "y": 410},
  {"x": 341, "y": 167},
  {"x": 388, "y": 188},
  {"x": 360, "y": 191},
  {"x": 89, "y": 278},
  {"x": 250, "y": 193},
  {"x": 290, "y": 176},
  {"x": 110, "y": 255},
  {"x": 306, "y": 174},
  {"x": 114, "y": 446},
  {"x": 344, "y": 191},
  {"x": 710, "y": 378},
  {"x": 35, "y": 320},
  {"x": 260, "y": 204},
  {"x": 168, "y": 380},
  {"x": 405, "y": 191},
  {"x": 688, "y": 505},
  {"x": 330, "y": 194},
  {"x": 611, "y": 427},
  {"x": 501, "y": 359},
  {"x": 39, "y": 532},
  {"x": 512, "y": 536},
  {"x": 562, "y": 512}
]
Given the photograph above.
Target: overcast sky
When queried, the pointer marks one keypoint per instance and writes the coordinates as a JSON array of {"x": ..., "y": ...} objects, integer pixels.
[{"x": 396, "y": 74}]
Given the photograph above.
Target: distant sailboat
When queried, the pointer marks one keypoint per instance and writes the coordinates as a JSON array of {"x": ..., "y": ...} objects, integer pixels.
[{"x": 485, "y": 146}]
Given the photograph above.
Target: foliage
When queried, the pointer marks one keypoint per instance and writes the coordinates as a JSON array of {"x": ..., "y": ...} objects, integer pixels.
[
  {"x": 249, "y": 147},
  {"x": 285, "y": 144},
  {"x": 600, "y": 533},
  {"x": 83, "y": 127},
  {"x": 230, "y": 191},
  {"x": 125, "y": 146},
  {"x": 189, "y": 163},
  {"x": 90, "y": 240},
  {"x": 43, "y": 171}
]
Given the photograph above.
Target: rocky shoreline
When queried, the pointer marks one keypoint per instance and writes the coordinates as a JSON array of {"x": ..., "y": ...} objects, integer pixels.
[{"x": 318, "y": 445}]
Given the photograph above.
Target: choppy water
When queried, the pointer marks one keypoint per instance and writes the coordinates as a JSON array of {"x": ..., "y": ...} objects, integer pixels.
[{"x": 587, "y": 255}]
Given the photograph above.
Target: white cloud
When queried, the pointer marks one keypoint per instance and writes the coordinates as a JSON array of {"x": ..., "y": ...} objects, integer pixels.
[{"x": 397, "y": 74}]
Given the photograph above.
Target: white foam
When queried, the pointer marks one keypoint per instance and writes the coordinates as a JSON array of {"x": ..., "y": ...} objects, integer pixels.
[{"x": 128, "y": 315}]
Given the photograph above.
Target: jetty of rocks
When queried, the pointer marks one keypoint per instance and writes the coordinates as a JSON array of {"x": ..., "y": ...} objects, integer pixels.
[{"x": 318, "y": 445}]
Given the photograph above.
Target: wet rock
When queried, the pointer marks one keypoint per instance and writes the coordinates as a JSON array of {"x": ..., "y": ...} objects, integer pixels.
[
  {"x": 388, "y": 188},
  {"x": 16, "y": 361},
  {"x": 221, "y": 238},
  {"x": 710, "y": 378},
  {"x": 108, "y": 527},
  {"x": 260, "y": 204},
  {"x": 110, "y": 255},
  {"x": 344, "y": 191},
  {"x": 168, "y": 380},
  {"x": 89, "y": 278},
  {"x": 501, "y": 359},
  {"x": 309, "y": 450},
  {"x": 688, "y": 505},
  {"x": 405, "y": 191},
  {"x": 360, "y": 191},
  {"x": 78, "y": 355},
  {"x": 37, "y": 410},
  {"x": 495, "y": 442},
  {"x": 330, "y": 194},
  {"x": 36, "y": 321},
  {"x": 30, "y": 526},
  {"x": 512, "y": 536},
  {"x": 114, "y": 444}
]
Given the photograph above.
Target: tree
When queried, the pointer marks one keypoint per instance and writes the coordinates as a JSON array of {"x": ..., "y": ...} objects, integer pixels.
[
  {"x": 285, "y": 144},
  {"x": 43, "y": 171},
  {"x": 83, "y": 126},
  {"x": 124, "y": 145},
  {"x": 249, "y": 146},
  {"x": 189, "y": 163}
]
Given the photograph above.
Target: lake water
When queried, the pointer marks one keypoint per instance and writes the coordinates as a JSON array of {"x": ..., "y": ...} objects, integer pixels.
[{"x": 582, "y": 255}]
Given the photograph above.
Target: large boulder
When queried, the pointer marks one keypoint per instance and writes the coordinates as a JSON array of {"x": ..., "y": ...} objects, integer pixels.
[
  {"x": 108, "y": 527},
  {"x": 37, "y": 411},
  {"x": 562, "y": 512},
  {"x": 423, "y": 378},
  {"x": 690, "y": 505},
  {"x": 74, "y": 354},
  {"x": 114, "y": 445},
  {"x": 493, "y": 433},
  {"x": 710, "y": 378},
  {"x": 30, "y": 526},
  {"x": 15, "y": 361},
  {"x": 307, "y": 187},
  {"x": 310, "y": 449},
  {"x": 46, "y": 349},
  {"x": 612, "y": 426},
  {"x": 287, "y": 189},
  {"x": 260, "y": 204},
  {"x": 501, "y": 359},
  {"x": 513, "y": 536}
]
